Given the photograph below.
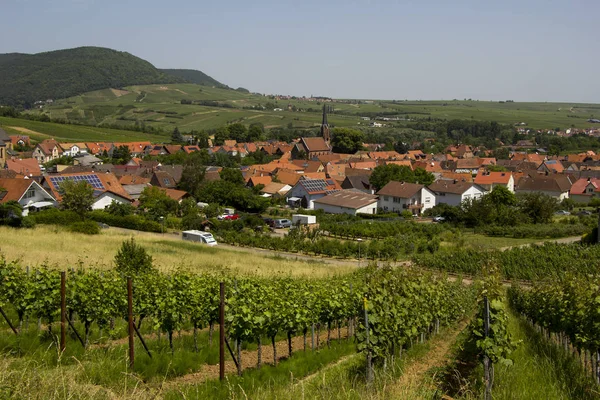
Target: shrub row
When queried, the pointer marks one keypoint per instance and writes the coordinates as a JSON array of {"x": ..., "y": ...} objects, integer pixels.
[
  {"x": 134, "y": 222},
  {"x": 392, "y": 248},
  {"x": 539, "y": 231}
]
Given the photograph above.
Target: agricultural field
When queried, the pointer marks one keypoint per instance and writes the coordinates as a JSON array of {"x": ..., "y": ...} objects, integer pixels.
[
  {"x": 296, "y": 325},
  {"x": 160, "y": 106},
  {"x": 39, "y": 131}
]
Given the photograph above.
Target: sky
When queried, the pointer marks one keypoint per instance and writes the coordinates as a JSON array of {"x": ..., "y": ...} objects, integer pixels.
[{"x": 522, "y": 50}]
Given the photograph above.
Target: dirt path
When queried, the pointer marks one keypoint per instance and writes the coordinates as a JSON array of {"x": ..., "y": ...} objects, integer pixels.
[
  {"x": 414, "y": 376},
  {"x": 25, "y": 130},
  {"x": 250, "y": 358}
]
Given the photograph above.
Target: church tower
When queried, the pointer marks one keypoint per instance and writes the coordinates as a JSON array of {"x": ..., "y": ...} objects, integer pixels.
[{"x": 325, "y": 127}]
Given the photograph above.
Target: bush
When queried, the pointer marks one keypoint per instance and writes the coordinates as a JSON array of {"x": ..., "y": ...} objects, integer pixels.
[
  {"x": 87, "y": 227},
  {"x": 27, "y": 222},
  {"x": 134, "y": 222},
  {"x": 132, "y": 259},
  {"x": 54, "y": 216}
]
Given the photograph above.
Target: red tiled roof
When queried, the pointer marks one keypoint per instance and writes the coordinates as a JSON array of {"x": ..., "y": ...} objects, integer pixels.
[
  {"x": 489, "y": 178},
  {"x": 27, "y": 166},
  {"x": 13, "y": 188}
]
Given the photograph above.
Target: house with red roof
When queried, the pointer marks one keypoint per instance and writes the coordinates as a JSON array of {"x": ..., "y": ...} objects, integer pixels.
[
  {"x": 585, "y": 189},
  {"x": 26, "y": 166},
  {"x": 488, "y": 180},
  {"x": 107, "y": 188},
  {"x": 306, "y": 191},
  {"x": 27, "y": 192},
  {"x": 47, "y": 150}
]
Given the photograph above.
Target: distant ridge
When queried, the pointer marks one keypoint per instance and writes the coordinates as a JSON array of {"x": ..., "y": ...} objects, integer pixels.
[
  {"x": 27, "y": 78},
  {"x": 194, "y": 76}
]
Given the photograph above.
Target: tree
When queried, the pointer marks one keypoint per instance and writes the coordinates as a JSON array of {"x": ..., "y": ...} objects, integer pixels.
[
  {"x": 132, "y": 259},
  {"x": 120, "y": 209},
  {"x": 501, "y": 196},
  {"x": 121, "y": 155},
  {"x": 538, "y": 207},
  {"x": 345, "y": 140},
  {"x": 232, "y": 175},
  {"x": 238, "y": 132},
  {"x": 221, "y": 135},
  {"x": 177, "y": 137},
  {"x": 385, "y": 173},
  {"x": 155, "y": 203},
  {"x": 76, "y": 196},
  {"x": 255, "y": 133},
  {"x": 193, "y": 172}
]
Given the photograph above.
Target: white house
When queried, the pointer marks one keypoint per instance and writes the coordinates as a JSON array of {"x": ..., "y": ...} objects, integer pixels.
[
  {"x": 306, "y": 191},
  {"x": 403, "y": 196},
  {"x": 73, "y": 149},
  {"x": 105, "y": 199},
  {"x": 488, "y": 180},
  {"x": 27, "y": 192},
  {"x": 455, "y": 192},
  {"x": 347, "y": 202}
]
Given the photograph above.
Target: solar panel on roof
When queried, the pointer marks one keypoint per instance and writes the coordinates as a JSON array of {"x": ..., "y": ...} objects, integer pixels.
[{"x": 93, "y": 180}]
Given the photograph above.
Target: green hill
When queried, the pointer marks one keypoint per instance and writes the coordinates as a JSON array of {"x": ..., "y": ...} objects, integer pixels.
[
  {"x": 194, "y": 76},
  {"x": 27, "y": 78}
]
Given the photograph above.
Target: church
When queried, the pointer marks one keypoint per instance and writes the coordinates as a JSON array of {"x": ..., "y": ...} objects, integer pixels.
[{"x": 311, "y": 147}]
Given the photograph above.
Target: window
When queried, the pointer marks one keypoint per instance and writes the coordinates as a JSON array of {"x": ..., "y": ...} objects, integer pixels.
[
  {"x": 386, "y": 198},
  {"x": 166, "y": 181},
  {"x": 29, "y": 194},
  {"x": 427, "y": 199}
]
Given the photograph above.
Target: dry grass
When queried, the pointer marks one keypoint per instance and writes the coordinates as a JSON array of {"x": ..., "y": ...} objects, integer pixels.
[{"x": 57, "y": 246}]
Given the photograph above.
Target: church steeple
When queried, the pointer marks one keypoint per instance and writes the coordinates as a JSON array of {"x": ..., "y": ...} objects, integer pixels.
[{"x": 325, "y": 126}]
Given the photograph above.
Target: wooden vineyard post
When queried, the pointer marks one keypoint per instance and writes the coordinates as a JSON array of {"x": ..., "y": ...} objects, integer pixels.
[
  {"x": 63, "y": 311},
  {"x": 486, "y": 360},
  {"x": 130, "y": 320},
  {"x": 222, "y": 332},
  {"x": 369, "y": 356},
  {"x": 598, "y": 366}
]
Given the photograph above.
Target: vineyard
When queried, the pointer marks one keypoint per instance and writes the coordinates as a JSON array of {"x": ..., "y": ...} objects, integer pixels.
[
  {"x": 529, "y": 263},
  {"x": 377, "y": 311},
  {"x": 567, "y": 312}
]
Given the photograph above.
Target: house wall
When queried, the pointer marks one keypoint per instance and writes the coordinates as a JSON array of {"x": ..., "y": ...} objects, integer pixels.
[
  {"x": 396, "y": 204},
  {"x": 448, "y": 198},
  {"x": 298, "y": 191},
  {"x": 427, "y": 199},
  {"x": 557, "y": 195},
  {"x": 105, "y": 199},
  {"x": 369, "y": 209},
  {"x": 34, "y": 194}
]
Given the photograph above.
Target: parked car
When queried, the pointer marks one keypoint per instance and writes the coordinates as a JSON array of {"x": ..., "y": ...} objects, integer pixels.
[
  {"x": 269, "y": 222},
  {"x": 562, "y": 212},
  {"x": 439, "y": 218},
  {"x": 226, "y": 217},
  {"x": 282, "y": 223},
  {"x": 584, "y": 212}
]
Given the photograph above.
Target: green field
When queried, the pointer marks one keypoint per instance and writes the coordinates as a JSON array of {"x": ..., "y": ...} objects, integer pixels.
[
  {"x": 160, "y": 106},
  {"x": 73, "y": 133}
]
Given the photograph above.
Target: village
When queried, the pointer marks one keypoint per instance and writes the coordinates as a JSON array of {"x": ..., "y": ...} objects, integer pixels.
[{"x": 305, "y": 173}]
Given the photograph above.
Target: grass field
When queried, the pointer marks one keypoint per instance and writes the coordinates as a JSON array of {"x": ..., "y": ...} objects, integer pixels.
[
  {"x": 160, "y": 106},
  {"x": 56, "y": 246}
]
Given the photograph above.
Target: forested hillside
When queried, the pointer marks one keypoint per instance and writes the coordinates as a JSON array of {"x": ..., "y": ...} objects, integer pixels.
[
  {"x": 27, "y": 78},
  {"x": 194, "y": 76}
]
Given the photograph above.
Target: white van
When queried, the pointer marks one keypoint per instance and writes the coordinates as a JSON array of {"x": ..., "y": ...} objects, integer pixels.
[{"x": 199, "y": 236}]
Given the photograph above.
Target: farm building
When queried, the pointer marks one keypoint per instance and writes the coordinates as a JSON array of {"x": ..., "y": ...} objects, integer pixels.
[{"x": 347, "y": 202}]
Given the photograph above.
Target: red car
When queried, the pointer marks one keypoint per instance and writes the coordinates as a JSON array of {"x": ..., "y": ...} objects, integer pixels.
[{"x": 230, "y": 217}]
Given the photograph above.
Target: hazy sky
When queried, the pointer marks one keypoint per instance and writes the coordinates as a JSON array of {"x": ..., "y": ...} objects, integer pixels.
[{"x": 529, "y": 50}]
